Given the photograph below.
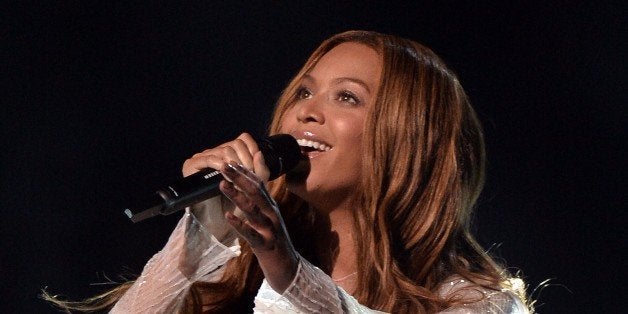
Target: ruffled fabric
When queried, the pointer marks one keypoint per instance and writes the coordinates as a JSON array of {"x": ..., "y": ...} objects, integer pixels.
[
  {"x": 311, "y": 291},
  {"x": 203, "y": 242},
  {"x": 480, "y": 299},
  {"x": 192, "y": 253}
]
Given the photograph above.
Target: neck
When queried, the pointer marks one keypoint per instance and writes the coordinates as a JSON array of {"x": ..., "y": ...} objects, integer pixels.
[{"x": 335, "y": 244}]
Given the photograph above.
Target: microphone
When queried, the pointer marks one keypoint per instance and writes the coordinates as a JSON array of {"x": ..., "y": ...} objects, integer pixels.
[{"x": 281, "y": 154}]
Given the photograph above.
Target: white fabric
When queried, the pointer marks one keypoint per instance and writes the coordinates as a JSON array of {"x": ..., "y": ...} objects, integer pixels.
[
  {"x": 200, "y": 245},
  {"x": 492, "y": 302},
  {"x": 311, "y": 291},
  {"x": 192, "y": 253}
]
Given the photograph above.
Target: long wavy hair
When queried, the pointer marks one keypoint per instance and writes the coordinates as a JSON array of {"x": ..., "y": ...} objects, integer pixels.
[{"x": 423, "y": 170}]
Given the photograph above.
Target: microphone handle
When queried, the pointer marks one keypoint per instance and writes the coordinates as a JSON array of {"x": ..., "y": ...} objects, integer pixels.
[
  {"x": 188, "y": 191},
  {"x": 281, "y": 153}
]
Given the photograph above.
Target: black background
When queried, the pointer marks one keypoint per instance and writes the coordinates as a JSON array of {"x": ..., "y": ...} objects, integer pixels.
[{"x": 102, "y": 101}]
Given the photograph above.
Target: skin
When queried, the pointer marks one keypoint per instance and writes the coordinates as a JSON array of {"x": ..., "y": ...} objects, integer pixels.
[{"x": 331, "y": 108}]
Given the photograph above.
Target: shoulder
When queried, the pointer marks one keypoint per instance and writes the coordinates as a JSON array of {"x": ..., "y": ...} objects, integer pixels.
[{"x": 469, "y": 297}]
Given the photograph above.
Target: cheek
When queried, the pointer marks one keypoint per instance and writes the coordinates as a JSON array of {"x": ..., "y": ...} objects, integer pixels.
[
  {"x": 287, "y": 121},
  {"x": 352, "y": 128}
]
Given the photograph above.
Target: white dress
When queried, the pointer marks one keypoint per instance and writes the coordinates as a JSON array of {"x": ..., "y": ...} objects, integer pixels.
[{"x": 203, "y": 242}]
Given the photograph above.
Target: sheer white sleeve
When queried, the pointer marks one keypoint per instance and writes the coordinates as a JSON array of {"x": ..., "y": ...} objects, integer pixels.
[
  {"x": 480, "y": 300},
  {"x": 203, "y": 242},
  {"x": 311, "y": 291},
  {"x": 197, "y": 248}
]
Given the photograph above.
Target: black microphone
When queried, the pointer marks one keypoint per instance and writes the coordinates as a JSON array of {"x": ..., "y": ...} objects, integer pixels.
[{"x": 281, "y": 154}]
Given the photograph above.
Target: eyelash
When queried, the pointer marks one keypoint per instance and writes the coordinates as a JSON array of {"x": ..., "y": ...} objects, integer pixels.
[
  {"x": 343, "y": 96},
  {"x": 303, "y": 93}
]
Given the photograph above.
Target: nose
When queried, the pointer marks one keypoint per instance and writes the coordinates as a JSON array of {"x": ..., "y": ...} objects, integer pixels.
[{"x": 310, "y": 111}]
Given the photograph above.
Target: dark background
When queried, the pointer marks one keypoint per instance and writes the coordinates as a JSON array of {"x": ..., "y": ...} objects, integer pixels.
[{"x": 102, "y": 101}]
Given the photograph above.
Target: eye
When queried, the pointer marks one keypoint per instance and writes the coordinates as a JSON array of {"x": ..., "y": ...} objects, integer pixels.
[
  {"x": 348, "y": 97},
  {"x": 304, "y": 93}
]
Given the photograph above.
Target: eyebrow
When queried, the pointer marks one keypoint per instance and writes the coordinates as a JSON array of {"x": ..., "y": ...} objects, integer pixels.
[{"x": 343, "y": 79}]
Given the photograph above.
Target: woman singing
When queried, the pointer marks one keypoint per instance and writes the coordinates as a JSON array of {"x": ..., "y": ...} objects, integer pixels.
[{"x": 375, "y": 218}]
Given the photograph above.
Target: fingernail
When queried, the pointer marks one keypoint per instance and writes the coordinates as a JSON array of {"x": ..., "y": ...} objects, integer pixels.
[
  {"x": 231, "y": 216},
  {"x": 229, "y": 189},
  {"x": 229, "y": 171},
  {"x": 238, "y": 169}
]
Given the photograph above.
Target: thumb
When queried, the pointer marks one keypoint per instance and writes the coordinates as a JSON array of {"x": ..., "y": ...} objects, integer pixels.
[{"x": 259, "y": 164}]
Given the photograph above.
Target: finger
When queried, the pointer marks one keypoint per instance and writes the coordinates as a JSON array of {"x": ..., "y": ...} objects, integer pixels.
[
  {"x": 249, "y": 210},
  {"x": 224, "y": 151},
  {"x": 253, "y": 189},
  {"x": 250, "y": 142},
  {"x": 214, "y": 158},
  {"x": 254, "y": 238},
  {"x": 210, "y": 158},
  {"x": 247, "y": 181},
  {"x": 261, "y": 170},
  {"x": 241, "y": 151},
  {"x": 229, "y": 154},
  {"x": 199, "y": 162}
]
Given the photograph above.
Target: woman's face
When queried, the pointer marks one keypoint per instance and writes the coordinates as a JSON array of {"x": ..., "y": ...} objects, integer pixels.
[{"x": 328, "y": 119}]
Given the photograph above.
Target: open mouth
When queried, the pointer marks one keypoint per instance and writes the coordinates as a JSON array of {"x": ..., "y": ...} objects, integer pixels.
[{"x": 311, "y": 148}]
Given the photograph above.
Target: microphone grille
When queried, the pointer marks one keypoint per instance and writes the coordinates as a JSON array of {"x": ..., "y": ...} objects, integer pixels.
[{"x": 281, "y": 153}]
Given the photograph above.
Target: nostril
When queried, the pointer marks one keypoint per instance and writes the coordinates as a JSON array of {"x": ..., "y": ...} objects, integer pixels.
[{"x": 309, "y": 113}]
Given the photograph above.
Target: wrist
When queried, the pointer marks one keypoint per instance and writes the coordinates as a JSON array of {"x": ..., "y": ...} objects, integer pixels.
[{"x": 279, "y": 269}]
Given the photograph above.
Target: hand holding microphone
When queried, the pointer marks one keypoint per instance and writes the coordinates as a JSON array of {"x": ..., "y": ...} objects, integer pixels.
[
  {"x": 246, "y": 166},
  {"x": 271, "y": 158}
]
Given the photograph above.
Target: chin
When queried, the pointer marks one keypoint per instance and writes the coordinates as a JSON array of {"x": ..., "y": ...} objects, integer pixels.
[{"x": 302, "y": 186}]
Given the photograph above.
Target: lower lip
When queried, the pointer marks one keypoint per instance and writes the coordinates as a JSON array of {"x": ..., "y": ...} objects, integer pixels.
[{"x": 313, "y": 154}]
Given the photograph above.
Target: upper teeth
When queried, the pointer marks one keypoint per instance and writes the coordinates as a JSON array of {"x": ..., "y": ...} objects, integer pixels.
[{"x": 313, "y": 144}]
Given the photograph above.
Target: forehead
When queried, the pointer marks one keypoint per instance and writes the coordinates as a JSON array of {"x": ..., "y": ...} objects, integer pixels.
[{"x": 349, "y": 60}]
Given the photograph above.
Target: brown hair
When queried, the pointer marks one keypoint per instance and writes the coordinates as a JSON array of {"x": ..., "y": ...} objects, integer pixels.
[{"x": 423, "y": 170}]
